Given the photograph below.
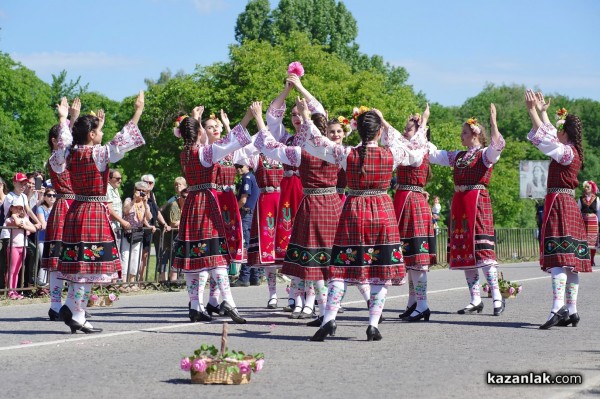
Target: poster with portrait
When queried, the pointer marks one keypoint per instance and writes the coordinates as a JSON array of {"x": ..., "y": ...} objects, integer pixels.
[{"x": 533, "y": 177}]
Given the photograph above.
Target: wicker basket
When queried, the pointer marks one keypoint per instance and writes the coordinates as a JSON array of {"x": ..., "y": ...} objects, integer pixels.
[
  {"x": 505, "y": 295},
  {"x": 220, "y": 376}
]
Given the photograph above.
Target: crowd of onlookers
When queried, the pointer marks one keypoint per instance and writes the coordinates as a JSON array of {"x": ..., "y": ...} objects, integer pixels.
[{"x": 140, "y": 224}]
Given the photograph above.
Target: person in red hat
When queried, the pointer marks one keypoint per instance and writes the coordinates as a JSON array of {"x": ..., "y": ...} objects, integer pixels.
[{"x": 19, "y": 183}]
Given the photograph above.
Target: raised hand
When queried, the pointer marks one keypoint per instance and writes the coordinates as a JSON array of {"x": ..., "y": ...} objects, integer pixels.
[
  {"x": 139, "y": 102},
  {"x": 302, "y": 107},
  {"x": 101, "y": 117},
  {"x": 62, "y": 108},
  {"x": 224, "y": 119},
  {"x": 493, "y": 114},
  {"x": 75, "y": 109},
  {"x": 541, "y": 104},
  {"x": 197, "y": 112},
  {"x": 426, "y": 113},
  {"x": 295, "y": 81},
  {"x": 256, "y": 109},
  {"x": 530, "y": 99}
]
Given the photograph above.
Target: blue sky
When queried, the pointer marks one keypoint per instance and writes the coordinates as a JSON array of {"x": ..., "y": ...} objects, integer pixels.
[{"x": 450, "y": 48}]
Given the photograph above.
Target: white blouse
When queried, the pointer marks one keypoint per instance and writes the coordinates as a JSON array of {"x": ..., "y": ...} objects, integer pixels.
[
  {"x": 490, "y": 156},
  {"x": 546, "y": 140}
]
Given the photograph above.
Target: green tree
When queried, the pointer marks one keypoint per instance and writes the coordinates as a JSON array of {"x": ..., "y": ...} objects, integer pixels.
[{"x": 255, "y": 22}]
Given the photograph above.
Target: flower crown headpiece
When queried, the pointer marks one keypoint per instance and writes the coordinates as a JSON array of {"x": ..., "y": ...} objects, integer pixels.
[
  {"x": 472, "y": 122},
  {"x": 178, "y": 120},
  {"x": 355, "y": 113},
  {"x": 219, "y": 123},
  {"x": 561, "y": 115},
  {"x": 345, "y": 123},
  {"x": 296, "y": 68},
  {"x": 415, "y": 118},
  {"x": 592, "y": 184}
]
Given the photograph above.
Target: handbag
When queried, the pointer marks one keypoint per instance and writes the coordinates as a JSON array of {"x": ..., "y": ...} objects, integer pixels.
[{"x": 135, "y": 236}]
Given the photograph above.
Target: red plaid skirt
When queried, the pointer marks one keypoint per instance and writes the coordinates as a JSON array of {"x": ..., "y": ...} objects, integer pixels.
[
  {"x": 291, "y": 195},
  {"x": 471, "y": 239},
  {"x": 590, "y": 222},
  {"x": 232, "y": 221},
  {"x": 54, "y": 234},
  {"x": 200, "y": 243},
  {"x": 261, "y": 250},
  {"x": 416, "y": 230},
  {"x": 88, "y": 245},
  {"x": 367, "y": 245},
  {"x": 309, "y": 252},
  {"x": 563, "y": 235}
]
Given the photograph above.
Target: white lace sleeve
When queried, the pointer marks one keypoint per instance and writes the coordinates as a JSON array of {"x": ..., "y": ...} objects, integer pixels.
[
  {"x": 546, "y": 141},
  {"x": 126, "y": 140},
  {"x": 441, "y": 157},
  {"x": 289, "y": 155},
  {"x": 315, "y": 107},
  {"x": 58, "y": 158},
  {"x": 325, "y": 149},
  {"x": 275, "y": 123},
  {"x": 237, "y": 138},
  {"x": 491, "y": 154},
  {"x": 405, "y": 152}
]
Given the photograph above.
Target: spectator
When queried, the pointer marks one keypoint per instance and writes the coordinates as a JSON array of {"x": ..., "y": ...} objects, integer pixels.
[
  {"x": 149, "y": 235},
  {"x": 3, "y": 192},
  {"x": 172, "y": 212},
  {"x": 115, "y": 205},
  {"x": 436, "y": 211},
  {"x": 42, "y": 212},
  {"x": 247, "y": 197},
  {"x": 33, "y": 194},
  {"x": 17, "y": 217},
  {"x": 137, "y": 213}
]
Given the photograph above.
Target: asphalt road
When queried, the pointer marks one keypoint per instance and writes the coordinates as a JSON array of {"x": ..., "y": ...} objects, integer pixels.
[{"x": 145, "y": 336}]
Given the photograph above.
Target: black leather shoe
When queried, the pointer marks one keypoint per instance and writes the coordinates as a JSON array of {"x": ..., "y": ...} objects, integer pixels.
[
  {"x": 373, "y": 334},
  {"x": 323, "y": 332},
  {"x": 240, "y": 283},
  {"x": 227, "y": 309},
  {"x": 85, "y": 327},
  {"x": 408, "y": 311},
  {"x": 296, "y": 313},
  {"x": 201, "y": 315},
  {"x": 53, "y": 315},
  {"x": 65, "y": 314},
  {"x": 272, "y": 304},
  {"x": 254, "y": 282},
  {"x": 210, "y": 309},
  {"x": 471, "y": 309},
  {"x": 560, "y": 314},
  {"x": 573, "y": 319},
  {"x": 500, "y": 309},
  {"x": 316, "y": 322},
  {"x": 420, "y": 315},
  {"x": 341, "y": 309},
  {"x": 290, "y": 307},
  {"x": 304, "y": 315}
]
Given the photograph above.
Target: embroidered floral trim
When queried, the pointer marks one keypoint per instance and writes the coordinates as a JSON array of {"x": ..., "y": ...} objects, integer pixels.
[
  {"x": 568, "y": 155},
  {"x": 207, "y": 154},
  {"x": 276, "y": 112},
  {"x": 292, "y": 154},
  {"x": 241, "y": 134},
  {"x": 304, "y": 133},
  {"x": 452, "y": 157},
  {"x": 315, "y": 107},
  {"x": 468, "y": 157}
]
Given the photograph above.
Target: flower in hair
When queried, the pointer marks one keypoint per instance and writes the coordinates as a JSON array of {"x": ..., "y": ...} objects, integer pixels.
[
  {"x": 345, "y": 123},
  {"x": 296, "y": 68},
  {"x": 561, "y": 115},
  {"x": 219, "y": 123},
  {"x": 92, "y": 113},
  {"x": 472, "y": 122},
  {"x": 178, "y": 120}
]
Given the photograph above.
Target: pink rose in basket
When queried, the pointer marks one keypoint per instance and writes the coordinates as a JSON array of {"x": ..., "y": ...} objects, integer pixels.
[
  {"x": 258, "y": 365},
  {"x": 486, "y": 288},
  {"x": 94, "y": 297},
  {"x": 511, "y": 290},
  {"x": 199, "y": 365},
  {"x": 244, "y": 367},
  {"x": 296, "y": 68},
  {"x": 519, "y": 289},
  {"x": 112, "y": 297},
  {"x": 185, "y": 364}
]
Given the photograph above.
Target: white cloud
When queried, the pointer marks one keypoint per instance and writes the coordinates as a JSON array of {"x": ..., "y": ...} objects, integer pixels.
[
  {"x": 53, "y": 61},
  {"x": 209, "y": 6}
]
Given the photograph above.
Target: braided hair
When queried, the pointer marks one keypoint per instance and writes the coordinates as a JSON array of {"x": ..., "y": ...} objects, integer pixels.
[
  {"x": 82, "y": 127},
  {"x": 188, "y": 128},
  {"x": 320, "y": 122},
  {"x": 53, "y": 134},
  {"x": 574, "y": 130},
  {"x": 368, "y": 124}
]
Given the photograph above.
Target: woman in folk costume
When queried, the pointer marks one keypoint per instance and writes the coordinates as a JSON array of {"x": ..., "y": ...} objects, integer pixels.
[
  {"x": 61, "y": 182},
  {"x": 414, "y": 223},
  {"x": 564, "y": 250},
  {"x": 89, "y": 253},
  {"x": 200, "y": 245},
  {"x": 471, "y": 232},
  {"x": 309, "y": 251},
  {"x": 291, "y": 186},
  {"x": 367, "y": 244},
  {"x": 590, "y": 211}
]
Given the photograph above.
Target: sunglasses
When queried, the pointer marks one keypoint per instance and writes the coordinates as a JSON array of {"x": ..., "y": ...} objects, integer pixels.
[
  {"x": 148, "y": 182},
  {"x": 50, "y": 195},
  {"x": 117, "y": 178}
]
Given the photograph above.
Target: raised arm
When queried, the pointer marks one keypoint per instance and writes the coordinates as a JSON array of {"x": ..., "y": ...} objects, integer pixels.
[
  {"x": 58, "y": 158},
  {"x": 74, "y": 110},
  {"x": 271, "y": 148},
  {"x": 405, "y": 152},
  {"x": 491, "y": 154},
  {"x": 314, "y": 105},
  {"x": 543, "y": 106},
  {"x": 531, "y": 103},
  {"x": 237, "y": 138},
  {"x": 139, "y": 108},
  {"x": 225, "y": 120},
  {"x": 275, "y": 113}
]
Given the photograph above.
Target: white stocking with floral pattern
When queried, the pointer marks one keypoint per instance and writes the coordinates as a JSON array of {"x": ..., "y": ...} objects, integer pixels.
[
  {"x": 378, "y": 293},
  {"x": 335, "y": 293},
  {"x": 222, "y": 279},
  {"x": 472, "y": 277},
  {"x": 572, "y": 290}
]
